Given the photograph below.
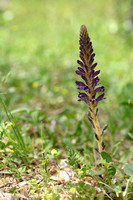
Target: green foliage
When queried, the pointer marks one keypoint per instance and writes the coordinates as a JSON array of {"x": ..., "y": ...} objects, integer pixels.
[
  {"x": 74, "y": 158},
  {"x": 111, "y": 171},
  {"x": 106, "y": 156},
  {"x": 20, "y": 171},
  {"x": 115, "y": 148},
  {"x": 128, "y": 169}
]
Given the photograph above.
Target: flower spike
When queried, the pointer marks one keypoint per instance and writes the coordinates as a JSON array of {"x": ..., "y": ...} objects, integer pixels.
[{"x": 90, "y": 82}]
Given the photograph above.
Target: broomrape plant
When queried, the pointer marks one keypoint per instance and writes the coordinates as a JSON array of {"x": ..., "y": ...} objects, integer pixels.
[{"x": 90, "y": 85}]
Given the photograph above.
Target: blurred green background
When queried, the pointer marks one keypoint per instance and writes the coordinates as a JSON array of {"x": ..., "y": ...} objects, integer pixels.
[
  {"x": 39, "y": 48},
  {"x": 39, "y": 42}
]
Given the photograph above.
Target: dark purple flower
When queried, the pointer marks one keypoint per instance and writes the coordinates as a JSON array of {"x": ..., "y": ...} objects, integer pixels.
[
  {"x": 100, "y": 97},
  {"x": 92, "y": 56},
  {"x": 81, "y": 70},
  {"x": 100, "y": 89},
  {"x": 96, "y": 73},
  {"x": 95, "y": 81},
  {"x": 78, "y": 72},
  {"x": 79, "y": 83},
  {"x": 90, "y": 43},
  {"x": 82, "y": 86},
  {"x": 80, "y": 63},
  {"x": 91, "y": 73},
  {"x": 82, "y": 56},
  {"x": 86, "y": 68},
  {"x": 87, "y": 71},
  {"x": 82, "y": 96},
  {"x": 91, "y": 61},
  {"x": 83, "y": 77},
  {"x": 93, "y": 66},
  {"x": 87, "y": 89},
  {"x": 91, "y": 50}
]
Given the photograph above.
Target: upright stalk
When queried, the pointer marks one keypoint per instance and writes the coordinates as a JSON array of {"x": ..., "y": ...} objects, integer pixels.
[
  {"x": 97, "y": 128},
  {"x": 90, "y": 83}
]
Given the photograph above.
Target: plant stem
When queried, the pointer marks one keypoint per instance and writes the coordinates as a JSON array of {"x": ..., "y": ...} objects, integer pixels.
[
  {"x": 97, "y": 128},
  {"x": 126, "y": 190}
]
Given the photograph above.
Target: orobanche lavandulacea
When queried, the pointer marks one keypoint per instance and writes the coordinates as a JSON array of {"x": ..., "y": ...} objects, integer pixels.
[{"x": 90, "y": 84}]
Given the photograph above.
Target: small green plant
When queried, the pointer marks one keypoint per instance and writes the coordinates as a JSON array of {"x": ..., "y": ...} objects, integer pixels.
[
  {"x": 20, "y": 171},
  {"x": 33, "y": 185},
  {"x": 11, "y": 124}
]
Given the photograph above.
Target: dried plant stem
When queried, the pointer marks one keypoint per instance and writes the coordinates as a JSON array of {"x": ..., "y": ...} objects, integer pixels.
[{"x": 97, "y": 128}]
